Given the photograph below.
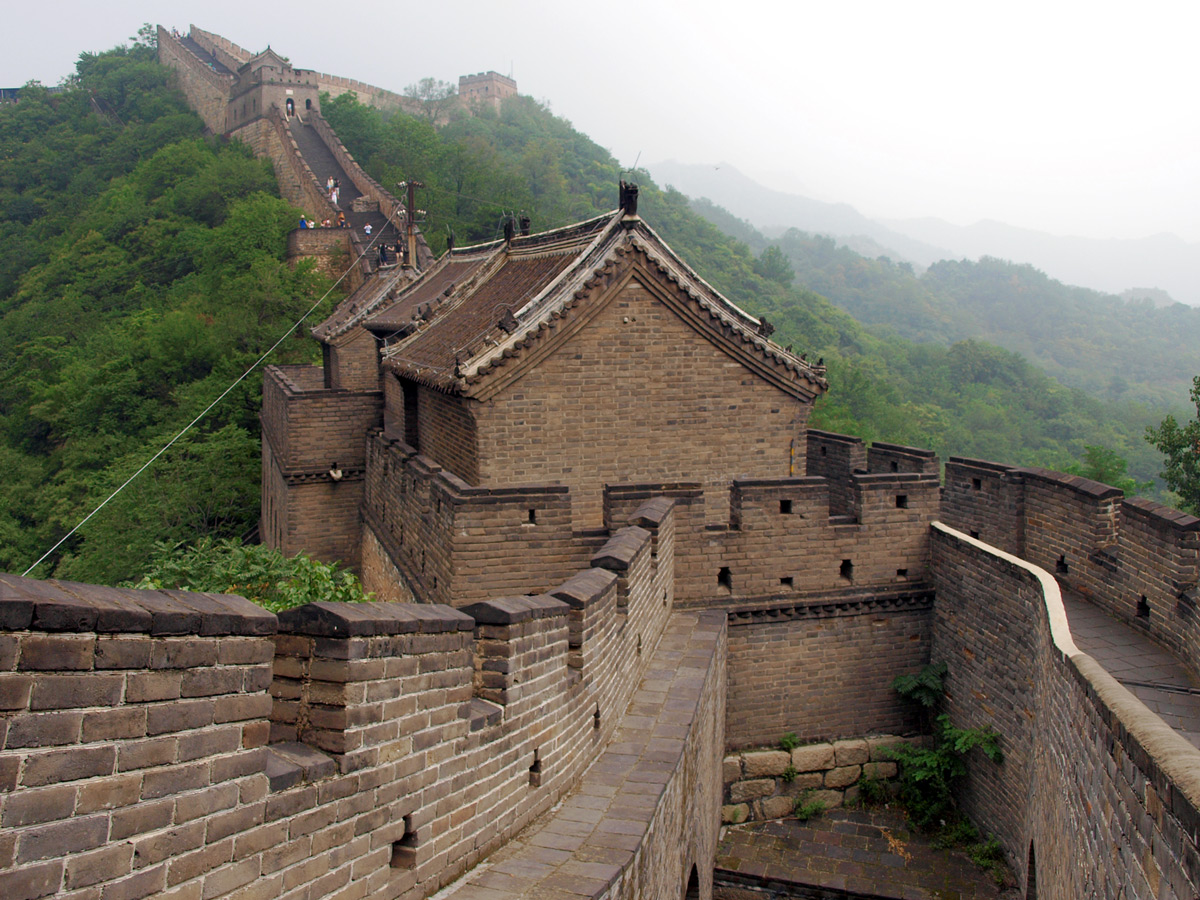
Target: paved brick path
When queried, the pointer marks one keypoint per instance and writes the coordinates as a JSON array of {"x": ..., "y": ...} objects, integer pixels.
[
  {"x": 1151, "y": 673},
  {"x": 860, "y": 852}
]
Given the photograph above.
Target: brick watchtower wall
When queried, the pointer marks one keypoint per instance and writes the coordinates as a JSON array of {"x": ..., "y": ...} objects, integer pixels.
[{"x": 307, "y": 428}]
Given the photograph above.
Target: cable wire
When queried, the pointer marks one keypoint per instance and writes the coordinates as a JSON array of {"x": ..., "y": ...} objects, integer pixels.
[{"x": 210, "y": 406}]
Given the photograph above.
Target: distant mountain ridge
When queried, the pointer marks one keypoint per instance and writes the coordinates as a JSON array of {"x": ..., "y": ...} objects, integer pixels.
[{"x": 1162, "y": 262}]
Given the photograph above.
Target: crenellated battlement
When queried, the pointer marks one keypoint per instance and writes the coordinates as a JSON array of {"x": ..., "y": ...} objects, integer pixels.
[{"x": 1137, "y": 559}]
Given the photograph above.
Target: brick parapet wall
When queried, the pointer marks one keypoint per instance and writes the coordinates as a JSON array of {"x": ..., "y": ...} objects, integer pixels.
[
  {"x": 1135, "y": 558},
  {"x": 834, "y": 457},
  {"x": 388, "y": 773},
  {"x": 269, "y": 136},
  {"x": 1075, "y": 741},
  {"x": 460, "y": 544},
  {"x": 987, "y": 501},
  {"x": 894, "y": 458},
  {"x": 368, "y": 94},
  {"x": 207, "y": 91},
  {"x": 133, "y": 728},
  {"x": 226, "y": 52}
]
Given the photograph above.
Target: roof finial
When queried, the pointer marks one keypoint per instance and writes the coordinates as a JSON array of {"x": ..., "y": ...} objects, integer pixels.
[{"x": 628, "y": 197}]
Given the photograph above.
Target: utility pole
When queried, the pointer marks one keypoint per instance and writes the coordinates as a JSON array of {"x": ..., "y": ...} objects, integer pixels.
[{"x": 410, "y": 213}]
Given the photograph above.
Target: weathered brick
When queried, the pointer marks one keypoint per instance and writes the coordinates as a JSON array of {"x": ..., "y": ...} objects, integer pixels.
[
  {"x": 174, "y": 780},
  {"x": 56, "y": 652},
  {"x": 180, "y": 716},
  {"x": 183, "y": 653},
  {"x": 37, "y": 806},
  {"x": 61, "y": 838},
  {"x": 43, "y": 730},
  {"x": 109, "y": 793},
  {"x": 58, "y": 766},
  {"x": 122, "y": 652},
  {"x": 145, "y": 687},
  {"x": 32, "y": 882},
  {"x": 105, "y": 864},
  {"x": 114, "y": 724},
  {"x": 14, "y": 691}
]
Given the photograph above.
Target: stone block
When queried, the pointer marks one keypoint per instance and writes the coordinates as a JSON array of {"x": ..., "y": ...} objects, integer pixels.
[
  {"x": 842, "y": 776},
  {"x": 812, "y": 757},
  {"x": 853, "y": 752},
  {"x": 735, "y": 813},
  {"x": 731, "y": 768},
  {"x": 766, "y": 762},
  {"x": 878, "y": 746},
  {"x": 741, "y": 791},
  {"x": 777, "y": 807},
  {"x": 830, "y": 798},
  {"x": 880, "y": 770}
]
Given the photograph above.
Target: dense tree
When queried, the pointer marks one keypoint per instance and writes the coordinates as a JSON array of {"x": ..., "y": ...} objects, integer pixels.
[{"x": 1180, "y": 444}]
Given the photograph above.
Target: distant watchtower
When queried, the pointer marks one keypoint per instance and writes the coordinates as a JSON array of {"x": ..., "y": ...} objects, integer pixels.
[
  {"x": 486, "y": 87},
  {"x": 267, "y": 78}
]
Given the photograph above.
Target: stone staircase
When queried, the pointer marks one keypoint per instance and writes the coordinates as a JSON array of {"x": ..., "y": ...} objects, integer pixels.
[{"x": 359, "y": 210}]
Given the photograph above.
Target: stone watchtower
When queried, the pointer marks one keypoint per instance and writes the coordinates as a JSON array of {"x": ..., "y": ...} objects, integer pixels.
[
  {"x": 267, "y": 78},
  {"x": 486, "y": 87}
]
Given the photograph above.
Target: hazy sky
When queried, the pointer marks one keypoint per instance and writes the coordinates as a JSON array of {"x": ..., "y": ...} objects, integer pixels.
[{"x": 1072, "y": 118}]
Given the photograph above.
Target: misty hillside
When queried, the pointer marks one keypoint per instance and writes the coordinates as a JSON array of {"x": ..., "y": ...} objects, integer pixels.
[
  {"x": 1164, "y": 262},
  {"x": 143, "y": 269}
]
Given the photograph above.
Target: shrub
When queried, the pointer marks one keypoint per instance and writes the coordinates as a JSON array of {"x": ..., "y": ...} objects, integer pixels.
[
  {"x": 807, "y": 806},
  {"x": 789, "y": 742}
]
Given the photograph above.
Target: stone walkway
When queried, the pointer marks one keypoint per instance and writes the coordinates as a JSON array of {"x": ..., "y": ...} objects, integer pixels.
[
  {"x": 845, "y": 853},
  {"x": 1151, "y": 673}
]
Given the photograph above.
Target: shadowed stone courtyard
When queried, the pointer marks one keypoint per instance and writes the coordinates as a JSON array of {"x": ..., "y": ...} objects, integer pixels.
[{"x": 844, "y": 853}]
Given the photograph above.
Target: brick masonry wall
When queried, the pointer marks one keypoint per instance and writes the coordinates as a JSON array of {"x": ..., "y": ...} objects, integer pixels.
[
  {"x": 635, "y": 396},
  {"x": 133, "y": 727},
  {"x": 835, "y": 457},
  {"x": 268, "y": 137},
  {"x": 1137, "y": 559},
  {"x": 1089, "y": 773},
  {"x": 135, "y": 761},
  {"x": 306, "y": 430},
  {"x": 987, "y": 501},
  {"x": 227, "y": 53},
  {"x": 207, "y": 92},
  {"x": 824, "y": 670}
]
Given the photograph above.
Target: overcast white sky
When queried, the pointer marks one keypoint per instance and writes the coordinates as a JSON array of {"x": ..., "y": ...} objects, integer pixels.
[{"x": 1067, "y": 117}]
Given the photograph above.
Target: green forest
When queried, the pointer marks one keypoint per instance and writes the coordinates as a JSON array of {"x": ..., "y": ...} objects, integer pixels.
[{"x": 142, "y": 272}]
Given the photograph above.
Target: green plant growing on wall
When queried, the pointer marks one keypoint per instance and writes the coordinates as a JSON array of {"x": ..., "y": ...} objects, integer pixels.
[
  {"x": 789, "y": 774},
  {"x": 930, "y": 775},
  {"x": 789, "y": 742},
  {"x": 807, "y": 806}
]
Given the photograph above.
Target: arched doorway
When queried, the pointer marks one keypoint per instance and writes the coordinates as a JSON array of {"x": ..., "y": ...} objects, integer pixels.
[{"x": 691, "y": 890}]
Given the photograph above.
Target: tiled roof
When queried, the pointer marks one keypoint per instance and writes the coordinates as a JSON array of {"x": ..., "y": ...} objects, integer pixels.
[
  {"x": 433, "y": 287},
  {"x": 455, "y": 334}
]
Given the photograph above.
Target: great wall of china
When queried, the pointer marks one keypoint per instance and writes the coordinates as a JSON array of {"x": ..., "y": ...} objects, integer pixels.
[{"x": 560, "y": 714}]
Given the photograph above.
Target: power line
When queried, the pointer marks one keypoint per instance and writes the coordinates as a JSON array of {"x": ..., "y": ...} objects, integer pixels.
[{"x": 210, "y": 406}]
